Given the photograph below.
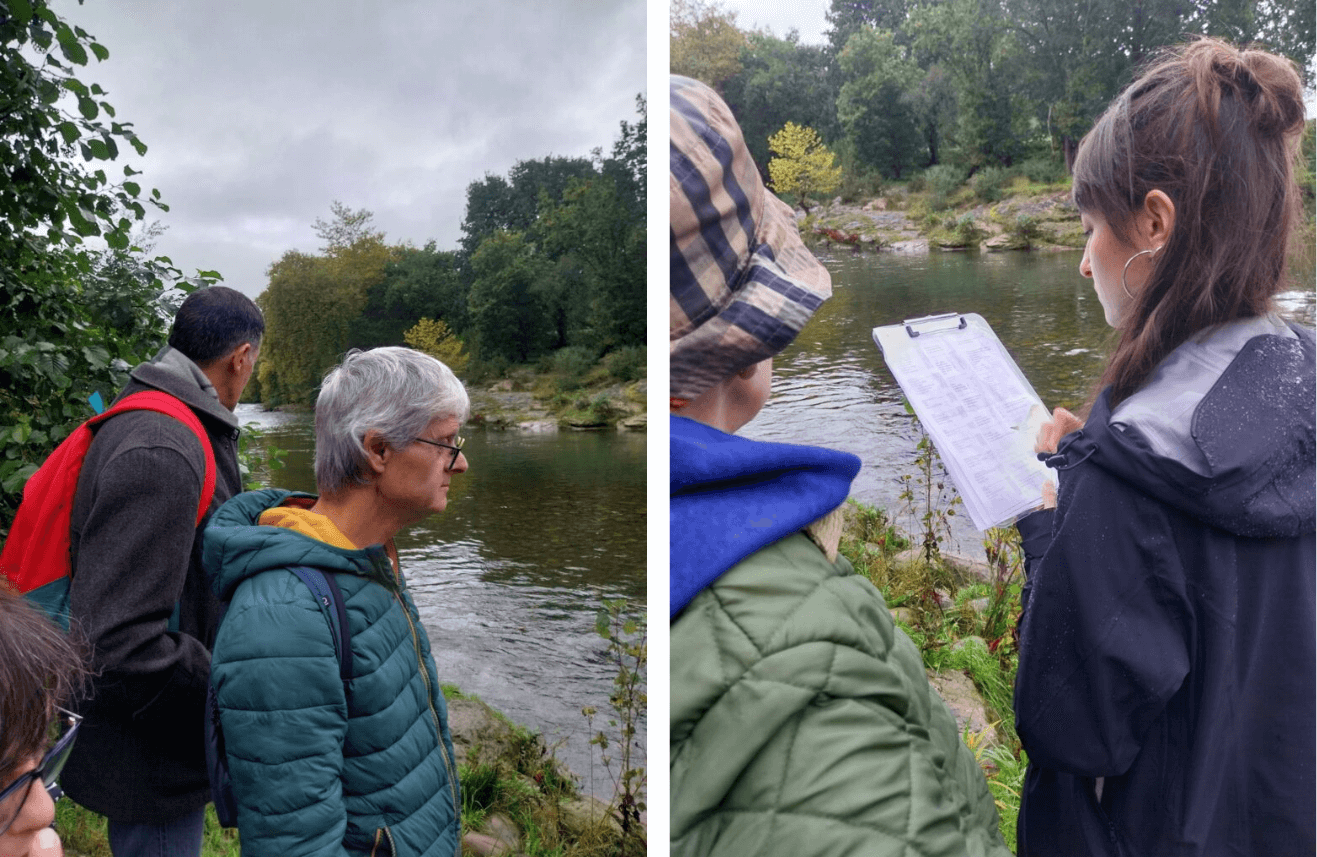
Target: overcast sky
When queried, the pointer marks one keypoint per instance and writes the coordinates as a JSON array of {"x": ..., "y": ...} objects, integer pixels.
[
  {"x": 807, "y": 16},
  {"x": 258, "y": 115}
]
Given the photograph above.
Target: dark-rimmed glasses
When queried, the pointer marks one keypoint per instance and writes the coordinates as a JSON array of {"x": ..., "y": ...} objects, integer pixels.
[
  {"x": 47, "y": 771},
  {"x": 455, "y": 446}
]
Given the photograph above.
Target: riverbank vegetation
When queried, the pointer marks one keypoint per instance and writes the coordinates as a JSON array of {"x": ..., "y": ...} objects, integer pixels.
[
  {"x": 900, "y": 87},
  {"x": 953, "y": 124},
  {"x": 550, "y": 267}
]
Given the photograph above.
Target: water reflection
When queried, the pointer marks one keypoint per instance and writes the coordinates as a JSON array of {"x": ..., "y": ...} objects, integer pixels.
[
  {"x": 508, "y": 579},
  {"x": 832, "y": 388}
]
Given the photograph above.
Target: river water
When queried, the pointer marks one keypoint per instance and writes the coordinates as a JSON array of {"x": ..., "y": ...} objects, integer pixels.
[
  {"x": 508, "y": 579},
  {"x": 831, "y": 387}
]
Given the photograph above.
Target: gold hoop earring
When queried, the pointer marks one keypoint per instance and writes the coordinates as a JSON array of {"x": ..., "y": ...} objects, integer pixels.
[{"x": 1123, "y": 285}]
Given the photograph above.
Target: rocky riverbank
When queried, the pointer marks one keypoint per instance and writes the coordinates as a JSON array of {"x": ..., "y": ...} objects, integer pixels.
[
  {"x": 525, "y": 402},
  {"x": 901, "y": 223},
  {"x": 490, "y": 747}
]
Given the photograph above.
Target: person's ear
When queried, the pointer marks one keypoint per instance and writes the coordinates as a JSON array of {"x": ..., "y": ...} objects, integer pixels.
[
  {"x": 233, "y": 362},
  {"x": 1157, "y": 218},
  {"x": 377, "y": 450}
]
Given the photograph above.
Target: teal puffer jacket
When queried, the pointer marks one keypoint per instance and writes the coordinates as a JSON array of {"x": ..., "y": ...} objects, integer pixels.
[
  {"x": 803, "y": 723},
  {"x": 316, "y": 771}
]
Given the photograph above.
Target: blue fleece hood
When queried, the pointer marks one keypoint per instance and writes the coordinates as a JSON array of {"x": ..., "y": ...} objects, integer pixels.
[{"x": 731, "y": 496}]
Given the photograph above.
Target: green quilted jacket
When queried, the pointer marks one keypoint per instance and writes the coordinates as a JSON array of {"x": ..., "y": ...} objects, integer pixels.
[
  {"x": 803, "y": 723},
  {"x": 315, "y": 770}
]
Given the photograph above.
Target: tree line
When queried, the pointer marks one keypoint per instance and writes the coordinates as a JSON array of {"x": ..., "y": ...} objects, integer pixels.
[
  {"x": 903, "y": 85},
  {"x": 551, "y": 258}
]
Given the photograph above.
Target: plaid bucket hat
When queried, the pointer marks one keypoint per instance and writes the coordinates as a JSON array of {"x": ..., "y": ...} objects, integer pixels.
[{"x": 742, "y": 282}]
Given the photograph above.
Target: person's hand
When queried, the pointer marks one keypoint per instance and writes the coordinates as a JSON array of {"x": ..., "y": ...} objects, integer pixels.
[
  {"x": 1050, "y": 433},
  {"x": 1049, "y": 494}
]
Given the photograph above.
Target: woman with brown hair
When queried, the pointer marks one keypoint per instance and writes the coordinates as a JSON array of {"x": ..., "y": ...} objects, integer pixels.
[
  {"x": 1165, "y": 692},
  {"x": 39, "y": 670}
]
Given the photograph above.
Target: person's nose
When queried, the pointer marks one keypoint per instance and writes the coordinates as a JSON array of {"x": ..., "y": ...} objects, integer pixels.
[
  {"x": 1085, "y": 269},
  {"x": 461, "y": 464},
  {"x": 37, "y": 812}
]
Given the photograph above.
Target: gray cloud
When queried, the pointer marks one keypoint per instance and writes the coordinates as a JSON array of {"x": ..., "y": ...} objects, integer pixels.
[{"x": 259, "y": 114}]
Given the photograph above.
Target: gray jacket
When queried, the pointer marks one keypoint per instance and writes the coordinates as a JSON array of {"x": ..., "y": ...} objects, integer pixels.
[{"x": 136, "y": 558}]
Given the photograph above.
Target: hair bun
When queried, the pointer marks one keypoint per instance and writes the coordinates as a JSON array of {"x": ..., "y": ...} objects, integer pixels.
[{"x": 1277, "y": 100}]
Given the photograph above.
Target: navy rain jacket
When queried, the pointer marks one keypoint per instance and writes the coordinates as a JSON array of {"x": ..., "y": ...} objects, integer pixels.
[{"x": 1165, "y": 693}]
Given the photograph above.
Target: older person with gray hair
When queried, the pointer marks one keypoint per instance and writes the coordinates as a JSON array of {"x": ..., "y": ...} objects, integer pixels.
[{"x": 321, "y": 763}]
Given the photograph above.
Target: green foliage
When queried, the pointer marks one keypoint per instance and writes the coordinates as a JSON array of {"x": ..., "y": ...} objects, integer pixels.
[
  {"x": 873, "y": 104},
  {"x": 1027, "y": 230},
  {"x": 1044, "y": 170},
  {"x": 928, "y": 494},
  {"x": 960, "y": 232},
  {"x": 258, "y": 458},
  {"x": 781, "y": 81},
  {"x": 624, "y": 629},
  {"x": 74, "y": 318},
  {"x": 976, "y": 636},
  {"x": 704, "y": 42},
  {"x": 507, "y": 315},
  {"x": 572, "y": 365},
  {"x": 417, "y": 283},
  {"x": 988, "y": 182},
  {"x": 871, "y": 531},
  {"x": 974, "y": 44},
  {"x": 803, "y": 165},
  {"x": 495, "y": 204},
  {"x": 1006, "y": 767},
  {"x": 599, "y": 229},
  {"x": 434, "y": 338},
  {"x": 942, "y": 180},
  {"x": 627, "y": 363},
  {"x": 313, "y": 301}
]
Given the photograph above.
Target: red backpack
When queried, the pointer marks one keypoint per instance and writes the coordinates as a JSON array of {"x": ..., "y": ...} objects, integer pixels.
[{"x": 36, "y": 554}]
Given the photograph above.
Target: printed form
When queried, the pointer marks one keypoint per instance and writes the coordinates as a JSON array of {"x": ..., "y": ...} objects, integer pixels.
[{"x": 980, "y": 411}]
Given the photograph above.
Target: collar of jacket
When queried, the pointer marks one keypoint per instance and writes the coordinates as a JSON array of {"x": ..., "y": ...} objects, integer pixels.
[
  {"x": 236, "y": 546},
  {"x": 172, "y": 372}
]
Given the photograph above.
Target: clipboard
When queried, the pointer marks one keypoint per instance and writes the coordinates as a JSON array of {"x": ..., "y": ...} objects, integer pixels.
[{"x": 978, "y": 408}]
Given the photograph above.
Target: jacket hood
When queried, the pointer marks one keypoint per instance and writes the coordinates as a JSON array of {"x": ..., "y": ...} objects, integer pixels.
[
  {"x": 174, "y": 373},
  {"x": 731, "y": 496},
  {"x": 236, "y": 547},
  {"x": 1228, "y": 441}
]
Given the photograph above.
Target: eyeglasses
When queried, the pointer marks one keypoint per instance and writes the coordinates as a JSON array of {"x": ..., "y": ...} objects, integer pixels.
[
  {"x": 455, "y": 446},
  {"x": 47, "y": 771}
]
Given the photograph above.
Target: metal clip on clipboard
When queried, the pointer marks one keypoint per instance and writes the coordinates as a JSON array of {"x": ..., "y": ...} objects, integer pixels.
[
  {"x": 927, "y": 322},
  {"x": 978, "y": 408}
]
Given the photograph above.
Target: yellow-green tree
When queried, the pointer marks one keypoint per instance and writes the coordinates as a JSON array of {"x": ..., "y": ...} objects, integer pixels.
[
  {"x": 434, "y": 338},
  {"x": 803, "y": 165},
  {"x": 705, "y": 42},
  {"x": 313, "y": 300}
]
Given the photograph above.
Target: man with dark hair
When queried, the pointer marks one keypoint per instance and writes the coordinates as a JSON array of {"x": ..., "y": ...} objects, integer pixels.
[{"x": 138, "y": 591}]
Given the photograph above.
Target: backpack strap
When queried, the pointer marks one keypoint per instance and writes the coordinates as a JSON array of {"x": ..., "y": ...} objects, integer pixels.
[
  {"x": 325, "y": 589},
  {"x": 36, "y": 551},
  {"x": 330, "y": 600}
]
